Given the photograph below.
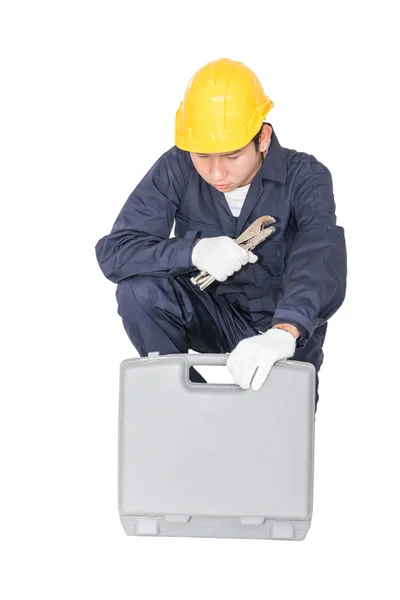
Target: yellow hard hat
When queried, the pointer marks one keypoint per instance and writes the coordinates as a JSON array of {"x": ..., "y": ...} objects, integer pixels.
[{"x": 223, "y": 108}]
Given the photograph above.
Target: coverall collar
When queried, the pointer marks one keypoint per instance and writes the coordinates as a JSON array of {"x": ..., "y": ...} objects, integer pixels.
[{"x": 275, "y": 165}]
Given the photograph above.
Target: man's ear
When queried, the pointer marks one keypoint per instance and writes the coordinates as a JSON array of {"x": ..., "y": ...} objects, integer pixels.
[{"x": 265, "y": 136}]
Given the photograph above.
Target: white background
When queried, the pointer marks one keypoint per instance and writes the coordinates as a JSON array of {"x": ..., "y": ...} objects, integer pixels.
[{"x": 89, "y": 92}]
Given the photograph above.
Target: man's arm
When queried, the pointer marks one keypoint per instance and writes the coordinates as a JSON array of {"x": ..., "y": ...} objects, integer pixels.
[
  {"x": 314, "y": 281},
  {"x": 139, "y": 241}
]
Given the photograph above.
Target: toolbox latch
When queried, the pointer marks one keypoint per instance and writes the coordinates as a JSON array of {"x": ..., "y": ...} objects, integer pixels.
[
  {"x": 252, "y": 520},
  {"x": 177, "y": 518}
]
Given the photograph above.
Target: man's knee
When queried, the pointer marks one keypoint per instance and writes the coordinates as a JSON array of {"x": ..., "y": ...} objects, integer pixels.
[
  {"x": 148, "y": 291},
  {"x": 138, "y": 289}
]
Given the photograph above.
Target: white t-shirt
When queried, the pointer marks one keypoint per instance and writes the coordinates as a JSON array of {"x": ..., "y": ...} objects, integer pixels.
[{"x": 236, "y": 198}]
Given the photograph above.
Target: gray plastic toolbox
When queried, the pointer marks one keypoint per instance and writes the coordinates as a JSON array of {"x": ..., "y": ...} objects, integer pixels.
[{"x": 213, "y": 460}]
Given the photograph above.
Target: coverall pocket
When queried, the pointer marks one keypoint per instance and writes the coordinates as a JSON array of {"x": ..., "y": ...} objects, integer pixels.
[{"x": 271, "y": 258}]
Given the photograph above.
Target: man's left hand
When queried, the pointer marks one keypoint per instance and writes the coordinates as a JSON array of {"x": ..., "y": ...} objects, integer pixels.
[{"x": 253, "y": 358}]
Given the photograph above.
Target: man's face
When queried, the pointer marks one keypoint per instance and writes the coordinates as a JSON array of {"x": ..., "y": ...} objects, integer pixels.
[{"x": 227, "y": 171}]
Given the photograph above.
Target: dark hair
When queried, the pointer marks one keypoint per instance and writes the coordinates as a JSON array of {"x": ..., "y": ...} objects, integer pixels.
[{"x": 256, "y": 138}]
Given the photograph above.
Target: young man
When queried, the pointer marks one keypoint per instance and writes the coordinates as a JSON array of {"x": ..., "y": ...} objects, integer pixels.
[{"x": 226, "y": 170}]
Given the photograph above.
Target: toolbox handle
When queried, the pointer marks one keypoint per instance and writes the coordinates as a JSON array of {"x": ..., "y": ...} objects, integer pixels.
[{"x": 206, "y": 359}]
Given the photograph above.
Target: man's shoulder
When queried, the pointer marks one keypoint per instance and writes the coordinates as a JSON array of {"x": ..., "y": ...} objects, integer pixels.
[
  {"x": 174, "y": 167},
  {"x": 304, "y": 169},
  {"x": 301, "y": 163},
  {"x": 175, "y": 157}
]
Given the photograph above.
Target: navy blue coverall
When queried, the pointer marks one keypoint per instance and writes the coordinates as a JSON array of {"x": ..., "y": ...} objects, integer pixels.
[{"x": 299, "y": 278}]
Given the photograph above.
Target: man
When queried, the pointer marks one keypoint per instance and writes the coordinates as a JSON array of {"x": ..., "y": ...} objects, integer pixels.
[{"x": 226, "y": 170}]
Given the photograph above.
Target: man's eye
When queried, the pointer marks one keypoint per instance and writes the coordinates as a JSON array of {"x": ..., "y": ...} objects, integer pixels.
[{"x": 233, "y": 157}]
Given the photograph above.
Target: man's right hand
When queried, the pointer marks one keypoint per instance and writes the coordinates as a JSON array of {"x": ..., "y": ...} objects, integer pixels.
[{"x": 220, "y": 256}]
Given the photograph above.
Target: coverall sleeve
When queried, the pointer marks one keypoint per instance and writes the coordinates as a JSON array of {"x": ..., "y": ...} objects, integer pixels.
[
  {"x": 314, "y": 280},
  {"x": 139, "y": 241}
]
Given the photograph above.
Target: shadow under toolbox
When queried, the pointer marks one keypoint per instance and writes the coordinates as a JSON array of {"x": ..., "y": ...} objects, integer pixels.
[{"x": 213, "y": 460}]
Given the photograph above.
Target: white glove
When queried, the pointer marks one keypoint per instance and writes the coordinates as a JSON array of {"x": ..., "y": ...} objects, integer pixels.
[
  {"x": 256, "y": 356},
  {"x": 220, "y": 256}
]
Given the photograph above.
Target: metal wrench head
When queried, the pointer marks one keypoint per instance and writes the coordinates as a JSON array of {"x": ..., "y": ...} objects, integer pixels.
[
  {"x": 255, "y": 228},
  {"x": 257, "y": 239}
]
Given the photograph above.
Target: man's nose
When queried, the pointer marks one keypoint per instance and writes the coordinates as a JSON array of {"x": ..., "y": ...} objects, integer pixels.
[{"x": 218, "y": 172}]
